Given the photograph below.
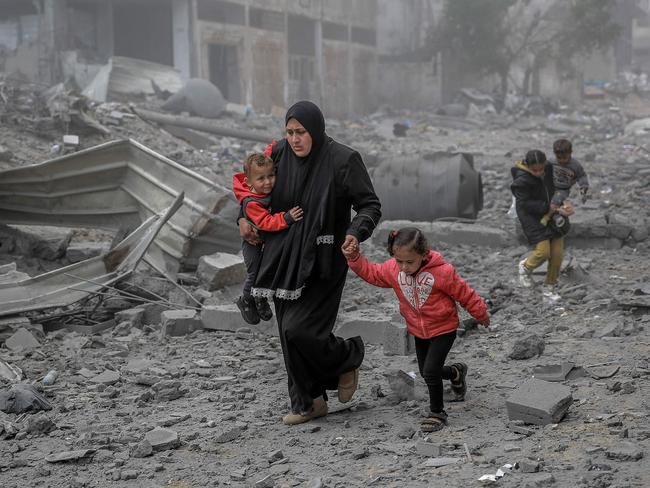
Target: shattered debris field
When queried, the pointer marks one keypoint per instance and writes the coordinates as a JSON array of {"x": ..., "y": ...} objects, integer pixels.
[{"x": 158, "y": 381}]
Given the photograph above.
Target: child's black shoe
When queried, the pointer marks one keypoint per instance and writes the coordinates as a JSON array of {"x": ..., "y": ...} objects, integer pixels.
[
  {"x": 248, "y": 310},
  {"x": 263, "y": 308}
]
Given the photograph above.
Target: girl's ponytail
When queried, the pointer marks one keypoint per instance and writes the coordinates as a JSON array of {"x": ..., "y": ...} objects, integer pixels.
[{"x": 391, "y": 240}]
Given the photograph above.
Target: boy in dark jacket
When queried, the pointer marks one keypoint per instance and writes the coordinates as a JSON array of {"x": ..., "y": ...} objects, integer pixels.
[{"x": 532, "y": 187}]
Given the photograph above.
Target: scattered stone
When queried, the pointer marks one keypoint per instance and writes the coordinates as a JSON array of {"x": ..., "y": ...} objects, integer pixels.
[
  {"x": 229, "y": 435},
  {"x": 167, "y": 390},
  {"x": 267, "y": 482},
  {"x": 134, "y": 316},
  {"x": 39, "y": 424},
  {"x": 22, "y": 340},
  {"x": 129, "y": 474},
  {"x": 539, "y": 402},
  {"x": 407, "y": 385},
  {"x": 69, "y": 455},
  {"x": 274, "y": 456},
  {"x": 162, "y": 439},
  {"x": 142, "y": 449},
  {"x": 527, "y": 466},
  {"x": 107, "y": 377},
  {"x": 527, "y": 347},
  {"x": 625, "y": 451}
]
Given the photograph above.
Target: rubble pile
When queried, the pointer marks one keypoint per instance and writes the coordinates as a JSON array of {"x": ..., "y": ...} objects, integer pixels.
[{"x": 156, "y": 380}]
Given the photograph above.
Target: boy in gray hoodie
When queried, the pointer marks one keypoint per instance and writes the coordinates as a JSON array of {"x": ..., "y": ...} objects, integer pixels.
[{"x": 567, "y": 172}]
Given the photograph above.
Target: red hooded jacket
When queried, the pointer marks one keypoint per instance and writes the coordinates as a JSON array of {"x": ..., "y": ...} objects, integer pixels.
[
  {"x": 427, "y": 301},
  {"x": 255, "y": 206}
]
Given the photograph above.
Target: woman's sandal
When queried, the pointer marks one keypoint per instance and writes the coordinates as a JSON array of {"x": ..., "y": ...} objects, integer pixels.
[
  {"x": 459, "y": 387},
  {"x": 433, "y": 422}
]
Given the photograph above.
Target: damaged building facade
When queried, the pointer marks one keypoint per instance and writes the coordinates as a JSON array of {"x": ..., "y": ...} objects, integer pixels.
[{"x": 259, "y": 53}]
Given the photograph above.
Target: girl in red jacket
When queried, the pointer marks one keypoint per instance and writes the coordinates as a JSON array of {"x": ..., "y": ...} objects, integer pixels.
[{"x": 428, "y": 288}]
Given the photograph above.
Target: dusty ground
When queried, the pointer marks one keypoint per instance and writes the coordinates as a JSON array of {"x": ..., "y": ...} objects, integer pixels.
[{"x": 232, "y": 386}]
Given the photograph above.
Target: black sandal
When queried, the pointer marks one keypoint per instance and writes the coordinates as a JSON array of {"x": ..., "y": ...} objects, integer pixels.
[
  {"x": 459, "y": 386},
  {"x": 433, "y": 422}
]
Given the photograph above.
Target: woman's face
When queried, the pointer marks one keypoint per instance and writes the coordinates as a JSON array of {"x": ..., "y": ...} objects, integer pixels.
[{"x": 299, "y": 139}]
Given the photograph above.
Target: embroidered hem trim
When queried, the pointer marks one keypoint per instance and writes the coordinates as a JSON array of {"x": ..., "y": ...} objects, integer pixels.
[
  {"x": 325, "y": 239},
  {"x": 279, "y": 293}
]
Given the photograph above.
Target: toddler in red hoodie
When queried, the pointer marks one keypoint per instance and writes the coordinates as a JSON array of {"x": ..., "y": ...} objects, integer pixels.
[
  {"x": 253, "y": 191},
  {"x": 428, "y": 288}
]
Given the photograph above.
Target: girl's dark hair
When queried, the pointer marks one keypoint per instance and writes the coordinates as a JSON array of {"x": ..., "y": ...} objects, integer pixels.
[
  {"x": 535, "y": 156},
  {"x": 411, "y": 237}
]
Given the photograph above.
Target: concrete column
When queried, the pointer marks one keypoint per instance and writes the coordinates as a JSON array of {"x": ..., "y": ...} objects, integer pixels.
[
  {"x": 320, "y": 72},
  {"x": 247, "y": 70},
  {"x": 181, "y": 33}
]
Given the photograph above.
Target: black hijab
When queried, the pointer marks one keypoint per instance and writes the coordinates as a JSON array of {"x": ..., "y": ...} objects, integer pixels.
[
  {"x": 311, "y": 118},
  {"x": 304, "y": 251}
]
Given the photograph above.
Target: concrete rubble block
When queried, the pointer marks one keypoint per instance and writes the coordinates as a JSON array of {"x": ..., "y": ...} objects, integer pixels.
[
  {"x": 453, "y": 233},
  {"x": 527, "y": 347},
  {"x": 369, "y": 324},
  {"x": 396, "y": 340},
  {"x": 22, "y": 340},
  {"x": 221, "y": 269},
  {"x": 167, "y": 390},
  {"x": 134, "y": 316},
  {"x": 80, "y": 251},
  {"x": 539, "y": 402},
  {"x": 44, "y": 241},
  {"x": 162, "y": 439},
  {"x": 179, "y": 322},
  {"x": 222, "y": 317}
]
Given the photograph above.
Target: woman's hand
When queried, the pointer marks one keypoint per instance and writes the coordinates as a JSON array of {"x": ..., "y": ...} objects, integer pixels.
[
  {"x": 248, "y": 232},
  {"x": 350, "y": 248},
  {"x": 552, "y": 208}
]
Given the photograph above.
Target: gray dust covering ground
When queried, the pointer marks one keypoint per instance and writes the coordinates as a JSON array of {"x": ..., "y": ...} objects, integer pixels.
[{"x": 216, "y": 398}]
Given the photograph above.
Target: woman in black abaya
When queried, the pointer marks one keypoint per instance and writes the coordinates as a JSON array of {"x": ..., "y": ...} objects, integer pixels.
[{"x": 302, "y": 267}]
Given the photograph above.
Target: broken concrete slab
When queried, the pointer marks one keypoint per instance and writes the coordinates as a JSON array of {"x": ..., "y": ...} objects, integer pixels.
[
  {"x": 220, "y": 270},
  {"x": 370, "y": 324},
  {"x": 179, "y": 322},
  {"x": 553, "y": 372},
  {"x": 539, "y": 402},
  {"x": 22, "y": 340},
  {"x": 453, "y": 233},
  {"x": 162, "y": 439}
]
